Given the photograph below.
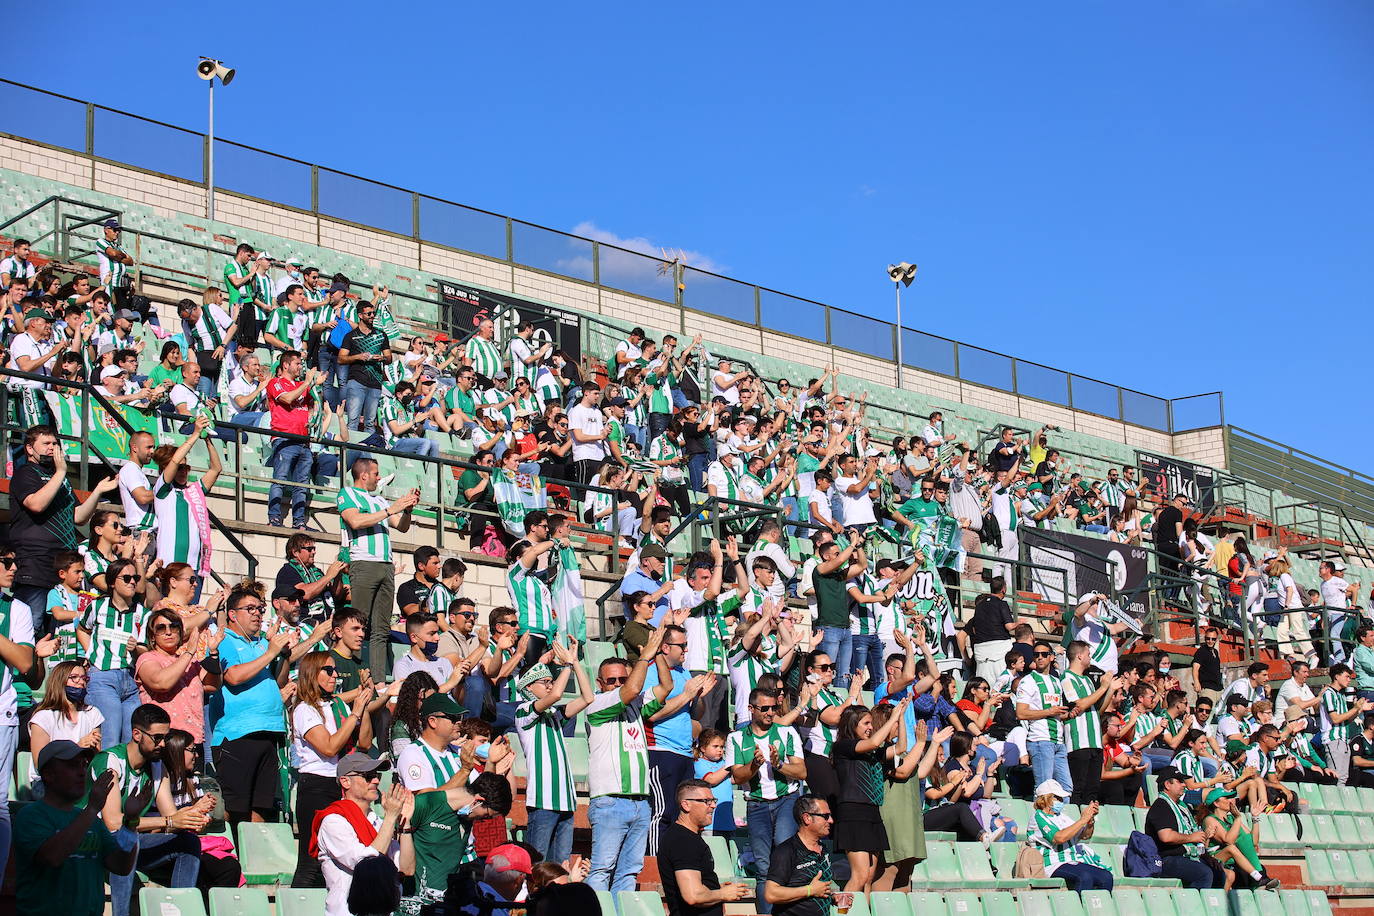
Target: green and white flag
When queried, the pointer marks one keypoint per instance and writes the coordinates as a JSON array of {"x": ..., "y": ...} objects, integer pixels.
[
  {"x": 940, "y": 539},
  {"x": 517, "y": 494},
  {"x": 103, "y": 433},
  {"x": 569, "y": 599}
]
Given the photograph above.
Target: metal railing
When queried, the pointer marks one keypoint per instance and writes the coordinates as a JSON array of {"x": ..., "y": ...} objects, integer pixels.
[{"x": 109, "y": 135}]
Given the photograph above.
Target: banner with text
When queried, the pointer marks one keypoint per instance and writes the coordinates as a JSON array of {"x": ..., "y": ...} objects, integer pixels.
[
  {"x": 462, "y": 307},
  {"x": 1089, "y": 565},
  {"x": 1164, "y": 476}
]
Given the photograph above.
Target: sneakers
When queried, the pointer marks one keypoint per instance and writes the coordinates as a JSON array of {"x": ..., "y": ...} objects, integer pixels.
[
  {"x": 385, "y": 480},
  {"x": 1271, "y": 884}
]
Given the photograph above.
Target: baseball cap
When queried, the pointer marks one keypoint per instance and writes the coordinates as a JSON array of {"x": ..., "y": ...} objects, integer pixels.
[
  {"x": 61, "y": 750},
  {"x": 1021, "y": 485},
  {"x": 617, "y": 402},
  {"x": 441, "y": 704},
  {"x": 262, "y": 255},
  {"x": 110, "y": 372},
  {"x": 516, "y": 858},
  {"x": 653, "y": 551},
  {"x": 295, "y": 260},
  {"x": 127, "y": 314},
  {"x": 1051, "y": 787},
  {"x": 357, "y": 762},
  {"x": 500, "y": 374},
  {"x": 112, "y": 224},
  {"x": 1035, "y": 486},
  {"x": 35, "y": 314},
  {"x": 1218, "y": 792},
  {"x": 1269, "y": 555},
  {"x": 286, "y": 591},
  {"x": 1235, "y": 746},
  {"x": 1168, "y": 774}
]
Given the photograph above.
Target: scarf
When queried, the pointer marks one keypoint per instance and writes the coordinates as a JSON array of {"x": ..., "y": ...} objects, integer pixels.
[
  {"x": 351, "y": 813},
  {"x": 200, "y": 515}
]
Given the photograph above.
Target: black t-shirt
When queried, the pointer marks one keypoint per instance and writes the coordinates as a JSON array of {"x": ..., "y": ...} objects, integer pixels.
[
  {"x": 679, "y": 849},
  {"x": 991, "y": 614},
  {"x": 313, "y": 611},
  {"x": 1027, "y": 651},
  {"x": 38, "y": 536},
  {"x": 1045, "y": 469},
  {"x": 1161, "y": 817},
  {"x": 1360, "y": 746},
  {"x": 793, "y": 865},
  {"x": 1166, "y": 531},
  {"x": 1005, "y": 456},
  {"x": 1209, "y": 668},
  {"x": 693, "y": 439},
  {"x": 860, "y": 775},
  {"x": 369, "y": 373},
  {"x": 413, "y": 592}
]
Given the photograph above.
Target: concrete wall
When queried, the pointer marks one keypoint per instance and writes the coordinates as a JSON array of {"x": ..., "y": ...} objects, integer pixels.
[
  {"x": 172, "y": 196},
  {"x": 1205, "y": 446}
]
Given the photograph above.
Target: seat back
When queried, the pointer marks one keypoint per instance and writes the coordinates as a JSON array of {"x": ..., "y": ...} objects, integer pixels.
[
  {"x": 171, "y": 901},
  {"x": 307, "y": 901},
  {"x": 239, "y": 901}
]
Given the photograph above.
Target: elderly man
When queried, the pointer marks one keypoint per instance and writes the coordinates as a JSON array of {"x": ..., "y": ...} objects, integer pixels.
[
  {"x": 651, "y": 577},
  {"x": 349, "y": 830},
  {"x": 799, "y": 871},
  {"x": 114, "y": 381}
]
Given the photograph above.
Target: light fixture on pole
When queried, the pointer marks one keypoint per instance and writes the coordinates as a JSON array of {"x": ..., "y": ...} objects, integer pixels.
[
  {"x": 209, "y": 70},
  {"x": 901, "y": 275}
]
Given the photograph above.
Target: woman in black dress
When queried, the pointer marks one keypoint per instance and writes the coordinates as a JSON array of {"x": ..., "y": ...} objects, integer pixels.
[{"x": 860, "y": 756}]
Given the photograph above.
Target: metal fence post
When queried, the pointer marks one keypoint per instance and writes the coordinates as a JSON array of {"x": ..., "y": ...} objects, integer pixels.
[
  {"x": 315, "y": 190},
  {"x": 90, "y": 128},
  {"x": 758, "y": 306},
  {"x": 415, "y": 215}
]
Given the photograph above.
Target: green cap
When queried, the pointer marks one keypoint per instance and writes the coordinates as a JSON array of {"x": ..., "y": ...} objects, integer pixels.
[
  {"x": 1235, "y": 746},
  {"x": 1217, "y": 792},
  {"x": 441, "y": 704},
  {"x": 1035, "y": 486},
  {"x": 31, "y": 314}
]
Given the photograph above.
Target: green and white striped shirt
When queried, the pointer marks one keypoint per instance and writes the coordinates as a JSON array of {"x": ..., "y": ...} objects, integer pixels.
[
  {"x": 1043, "y": 828},
  {"x": 821, "y": 737},
  {"x": 1084, "y": 730},
  {"x": 389, "y": 408},
  {"x": 1041, "y": 691},
  {"x": 532, "y": 601},
  {"x": 484, "y": 356},
  {"x": 208, "y": 333},
  {"x": 1144, "y": 724},
  {"x": 113, "y": 273},
  {"x": 1188, "y": 765},
  {"x": 767, "y": 784},
  {"x": 178, "y": 537},
  {"x": 1334, "y": 704},
  {"x": 16, "y": 623},
  {"x": 549, "y": 775},
  {"x": 96, "y": 564},
  {"x": 281, "y": 324},
  {"x": 422, "y": 767},
  {"x": 69, "y": 647},
  {"x": 110, "y": 629},
  {"x": 128, "y": 781},
  {"x": 364, "y": 544},
  {"x": 618, "y": 746}
]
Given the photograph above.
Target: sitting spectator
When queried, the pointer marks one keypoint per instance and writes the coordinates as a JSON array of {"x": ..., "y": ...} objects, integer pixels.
[
  {"x": 1182, "y": 843},
  {"x": 63, "y": 714},
  {"x": 219, "y": 865},
  {"x": 690, "y": 885},
  {"x": 1231, "y": 840},
  {"x": 1062, "y": 840}
]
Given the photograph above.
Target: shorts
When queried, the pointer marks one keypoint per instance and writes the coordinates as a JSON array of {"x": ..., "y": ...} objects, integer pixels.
[{"x": 249, "y": 772}]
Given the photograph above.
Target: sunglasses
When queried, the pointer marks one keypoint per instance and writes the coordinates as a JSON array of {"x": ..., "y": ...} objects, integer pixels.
[
  {"x": 773, "y": 708},
  {"x": 827, "y": 816},
  {"x": 463, "y": 613},
  {"x": 310, "y": 547},
  {"x": 167, "y": 628},
  {"x": 614, "y": 681},
  {"x": 1044, "y": 655},
  {"x": 157, "y": 739},
  {"x": 506, "y": 623},
  {"x": 824, "y": 667},
  {"x": 329, "y": 669},
  {"x": 130, "y": 579},
  {"x": 8, "y": 562}
]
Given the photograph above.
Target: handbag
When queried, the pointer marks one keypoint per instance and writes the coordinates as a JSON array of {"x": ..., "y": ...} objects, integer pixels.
[{"x": 1030, "y": 862}]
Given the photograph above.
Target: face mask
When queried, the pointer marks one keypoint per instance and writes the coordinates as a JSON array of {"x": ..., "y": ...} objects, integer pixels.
[
  {"x": 483, "y": 750},
  {"x": 464, "y": 811},
  {"x": 47, "y": 463},
  {"x": 431, "y": 647},
  {"x": 77, "y": 695},
  {"x": 813, "y": 678},
  {"x": 1163, "y": 670},
  {"x": 1057, "y": 806}
]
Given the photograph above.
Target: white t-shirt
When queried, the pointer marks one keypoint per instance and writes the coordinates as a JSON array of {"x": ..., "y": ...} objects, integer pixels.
[
  {"x": 60, "y": 728},
  {"x": 20, "y": 631},
  {"x": 682, "y": 596},
  {"x": 304, "y": 718},
  {"x": 857, "y": 509},
  {"x": 24, "y": 345},
  {"x": 631, "y": 351},
  {"x": 819, "y": 507},
  {"x": 241, "y": 387},
  {"x": 1288, "y": 692},
  {"x": 340, "y": 853},
  {"x": 588, "y": 421},
  {"x": 183, "y": 396},
  {"x": 1333, "y": 591},
  {"x": 730, "y": 393},
  {"x": 131, "y": 477},
  {"x": 805, "y": 588}
]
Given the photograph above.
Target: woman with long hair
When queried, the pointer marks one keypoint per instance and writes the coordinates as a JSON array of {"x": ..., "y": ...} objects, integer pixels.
[
  {"x": 1245, "y": 586},
  {"x": 178, "y": 584},
  {"x": 63, "y": 713},
  {"x": 110, "y": 540},
  {"x": 1292, "y": 631},
  {"x": 946, "y": 808},
  {"x": 860, "y": 755},
  {"x": 180, "y": 504},
  {"x": 1196, "y": 548},
  {"x": 1231, "y": 840},
  {"x": 171, "y": 676},
  {"x": 112, "y": 625},
  {"x": 219, "y": 864},
  {"x": 323, "y": 729},
  {"x": 822, "y": 706},
  {"x": 1062, "y": 840},
  {"x": 406, "y": 724}
]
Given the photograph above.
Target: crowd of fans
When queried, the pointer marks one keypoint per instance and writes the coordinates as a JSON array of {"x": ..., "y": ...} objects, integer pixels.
[{"x": 829, "y": 710}]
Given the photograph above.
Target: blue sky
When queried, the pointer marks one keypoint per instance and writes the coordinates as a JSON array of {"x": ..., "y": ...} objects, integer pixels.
[{"x": 1170, "y": 196}]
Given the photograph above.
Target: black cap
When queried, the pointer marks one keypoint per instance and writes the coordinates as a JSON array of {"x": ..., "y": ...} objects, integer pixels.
[
  {"x": 617, "y": 402},
  {"x": 286, "y": 591}
]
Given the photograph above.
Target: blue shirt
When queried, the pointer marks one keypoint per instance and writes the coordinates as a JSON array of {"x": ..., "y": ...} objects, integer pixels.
[
  {"x": 253, "y": 706},
  {"x": 675, "y": 732},
  {"x": 636, "y": 581}
]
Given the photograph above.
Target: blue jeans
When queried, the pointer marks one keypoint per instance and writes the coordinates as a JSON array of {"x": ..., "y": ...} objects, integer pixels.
[
  {"x": 640, "y": 435},
  {"x": 361, "y": 404},
  {"x": 1155, "y": 760},
  {"x": 680, "y": 401},
  {"x": 248, "y": 417},
  {"x": 415, "y": 445},
  {"x": 867, "y": 654},
  {"x": 696, "y": 470},
  {"x": 1050, "y": 760},
  {"x": 1096, "y": 529},
  {"x": 550, "y": 832},
  {"x": 36, "y": 597},
  {"x": 291, "y": 462},
  {"x": 1079, "y": 877},
  {"x": 9, "y": 744},
  {"x": 180, "y": 850},
  {"x": 838, "y": 643},
  {"x": 325, "y": 466},
  {"x": 115, "y": 694},
  {"x": 770, "y": 823},
  {"x": 335, "y": 375},
  {"x": 620, "y": 835}
]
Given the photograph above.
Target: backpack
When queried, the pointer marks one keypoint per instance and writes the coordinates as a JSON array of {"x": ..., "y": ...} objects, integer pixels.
[
  {"x": 1030, "y": 862},
  {"x": 992, "y": 530},
  {"x": 1141, "y": 858}
]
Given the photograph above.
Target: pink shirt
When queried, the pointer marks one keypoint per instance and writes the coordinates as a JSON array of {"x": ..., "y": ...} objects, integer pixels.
[{"x": 184, "y": 702}]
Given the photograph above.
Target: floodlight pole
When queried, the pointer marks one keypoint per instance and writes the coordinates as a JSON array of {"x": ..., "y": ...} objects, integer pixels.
[
  {"x": 210, "y": 158},
  {"x": 897, "y": 285}
]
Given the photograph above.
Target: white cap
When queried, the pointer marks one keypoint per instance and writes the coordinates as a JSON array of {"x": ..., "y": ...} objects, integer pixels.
[
  {"x": 296, "y": 260},
  {"x": 262, "y": 254},
  {"x": 1051, "y": 787},
  {"x": 110, "y": 372},
  {"x": 1338, "y": 565}
]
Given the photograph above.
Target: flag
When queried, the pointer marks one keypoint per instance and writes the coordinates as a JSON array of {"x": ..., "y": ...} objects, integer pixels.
[
  {"x": 924, "y": 596},
  {"x": 940, "y": 539},
  {"x": 517, "y": 494},
  {"x": 569, "y": 607},
  {"x": 103, "y": 433}
]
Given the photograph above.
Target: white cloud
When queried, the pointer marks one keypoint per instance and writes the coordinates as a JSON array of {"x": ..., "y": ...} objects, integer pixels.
[{"x": 590, "y": 230}]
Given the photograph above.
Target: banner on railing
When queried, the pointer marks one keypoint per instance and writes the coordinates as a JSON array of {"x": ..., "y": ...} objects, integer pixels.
[
  {"x": 103, "y": 433},
  {"x": 1164, "y": 476},
  {"x": 462, "y": 307},
  {"x": 1089, "y": 565}
]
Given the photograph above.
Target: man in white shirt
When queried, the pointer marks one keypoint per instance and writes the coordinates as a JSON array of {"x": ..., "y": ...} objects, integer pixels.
[
  {"x": 1336, "y": 597},
  {"x": 337, "y": 841},
  {"x": 628, "y": 350},
  {"x": 291, "y": 276},
  {"x": 769, "y": 545},
  {"x": 934, "y": 432},
  {"x": 819, "y": 503},
  {"x": 1294, "y": 690},
  {"x": 587, "y": 426},
  {"x": 246, "y": 392},
  {"x": 135, "y": 492},
  {"x": 524, "y": 355},
  {"x": 855, "y": 486},
  {"x": 725, "y": 383},
  {"x": 429, "y": 761},
  {"x": 1253, "y": 686},
  {"x": 1007, "y": 513}
]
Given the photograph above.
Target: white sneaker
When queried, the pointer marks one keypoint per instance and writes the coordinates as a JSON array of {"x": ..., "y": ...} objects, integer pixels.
[{"x": 385, "y": 481}]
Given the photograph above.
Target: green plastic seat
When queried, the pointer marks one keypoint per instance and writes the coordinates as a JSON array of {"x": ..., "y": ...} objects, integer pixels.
[
  {"x": 267, "y": 853},
  {"x": 640, "y": 903},
  {"x": 1321, "y": 869},
  {"x": 1215, "y": 902},
  {"x": 1114, "y": 824},
  {"x": 1292, "y": 903},
  {"x": 1280, "y": 832},
  {"x": 1128, "y": 900},
  {"x": 171, "y": 901},
  {"x": 1318, "y": 904},
  {"x": 1361, "y": 864},
  {"x": 24, "y": 764},
  {"x": 890, "y": 903},
  {"x": 1185, "y": 901},
  {"x": 239, "y": 901},
  {"x": 1115, "y": 854},
  {"x": 1049, "y": 903},
  {"x": 306, "y": 901},
  {"x": 1098, "y": 903},
  {"x": 1244, "y": 903},
  {"x": 998, "y": 903},
  {"x": 607, "y": 901},
  {"x": 962, "y": 903},
  {"x": 723, "y": 855}
]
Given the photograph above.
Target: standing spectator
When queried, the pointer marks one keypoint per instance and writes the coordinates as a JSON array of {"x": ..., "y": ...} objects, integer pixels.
[
  {"x": 1082, "y": 730},
  {"x": 315, "y": 586},
  {"x": 483, "y": 354},
  {"x": 251, "y": 726},
  {"x": 1040, "y": 707},
  {"x": 550, "y": 797},
  {"x": 525, "y": 357},
  {"x": 1095, "y": 627},
  {"x": 1182, "y": 843},
  {"x": 17, "y": 655},
  {"x": 1207, "y": 666},
  {"x": 112, "y": 626},
  {"x": 1362, "y": 662},
  {"x": 1167, "y": 532},
  {"x": 1336, "y": 594},
  {"x": 1339, "y": 719},
  {"x": 349, "y": 830},
  {"x": 618, "y": 772},
  {"x": 766, "y": 758},
  {"x": 669, "y": 692},
  {"x": 365, "y": 351},
  {"x": 587, "y": 426},
  {"x": 64, "y": 853},
  {"x": 181, "y": 505},
  {"x": 860, "y": 755},
  {"x": 1062, "y": 840},
  {"x": 366, "y": 532},
  {"x": 291, "y": 402},
  {"x": 135, "y": 491},
  {"x": 429, "y": 761},
  {"x": 1005, "y": 508},
  {"x": 993, "y": 625},
  {"x": 324, "y": 729},
  {"x": 799, "y": 867},
  {"x": 627, "y": 352},
  {"x": 688, "y": 869},
  {"x": 442, "y": 823},
  {"x": 207, "y": 329},
  {"x": 830, "y": 577},
  {"x": 856, "y": 505},
  {"x": 170, "y": 676}
]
